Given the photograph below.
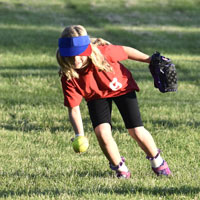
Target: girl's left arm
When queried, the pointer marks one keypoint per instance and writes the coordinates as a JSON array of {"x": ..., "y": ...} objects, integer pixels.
[{"x": 137, "y": 55}]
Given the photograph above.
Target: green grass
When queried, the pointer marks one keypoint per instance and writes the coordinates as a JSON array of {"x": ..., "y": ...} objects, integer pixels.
[{"x": 36, "y": 156}]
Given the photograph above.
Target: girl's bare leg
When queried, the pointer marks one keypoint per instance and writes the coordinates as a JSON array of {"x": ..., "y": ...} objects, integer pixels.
[
  {"x": 145, "y": 140},
  {"x": 107, "y": 143}
]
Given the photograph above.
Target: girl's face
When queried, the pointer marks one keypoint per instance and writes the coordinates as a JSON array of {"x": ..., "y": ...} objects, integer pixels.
[{"x": 80, "y": 61}]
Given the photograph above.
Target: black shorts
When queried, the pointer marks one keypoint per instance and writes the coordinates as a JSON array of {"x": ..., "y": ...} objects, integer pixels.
[{"x": 100, "y": 110}]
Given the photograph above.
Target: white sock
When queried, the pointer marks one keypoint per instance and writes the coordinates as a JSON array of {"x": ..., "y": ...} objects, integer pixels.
[
  {"x": 123, "y": 168},
  {"x": 156, "y": 162}
]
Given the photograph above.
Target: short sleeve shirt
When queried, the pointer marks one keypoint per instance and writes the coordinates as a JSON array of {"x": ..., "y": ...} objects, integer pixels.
[{"x": 95, "y": 84}]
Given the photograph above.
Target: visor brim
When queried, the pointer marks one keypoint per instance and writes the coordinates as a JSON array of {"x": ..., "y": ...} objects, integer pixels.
[{"x": 76, "y": 51}]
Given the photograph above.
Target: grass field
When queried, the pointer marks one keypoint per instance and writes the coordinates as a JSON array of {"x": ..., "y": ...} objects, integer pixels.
[{"x": 36, "y": 156}]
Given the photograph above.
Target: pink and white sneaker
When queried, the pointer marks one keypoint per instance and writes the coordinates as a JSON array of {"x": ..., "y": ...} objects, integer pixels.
[
  {"x": 120, "y": 174},
  {"x": 125, "y": 175},
  {"x": 162, "y": 170}
]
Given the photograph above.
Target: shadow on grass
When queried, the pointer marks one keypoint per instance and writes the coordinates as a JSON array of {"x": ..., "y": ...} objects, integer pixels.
[
  {"x": 29, "y": 67},
  {"x": 29, "y": 128},
  {"x": 26, "y": 126},
  {"x": 174, "y": 124},
  {"x": 16, "y": 72},
  {"x": 161, "y": 191},
  {"x": 26, "y": 71},
  {"x": 189, "y": 74},
  {"x": 157, "y": 191}
]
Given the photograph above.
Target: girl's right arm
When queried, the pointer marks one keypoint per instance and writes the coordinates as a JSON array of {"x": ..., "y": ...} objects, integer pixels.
[
  {"x": 76, "y": 120},
  {"x": 137, "y": 55}
]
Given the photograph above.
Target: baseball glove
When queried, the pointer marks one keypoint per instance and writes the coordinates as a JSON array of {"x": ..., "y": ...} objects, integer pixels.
[{"x": 164, "y": 73}]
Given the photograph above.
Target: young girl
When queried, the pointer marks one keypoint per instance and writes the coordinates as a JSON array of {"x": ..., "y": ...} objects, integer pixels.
[{"x": 94, "y": 72}]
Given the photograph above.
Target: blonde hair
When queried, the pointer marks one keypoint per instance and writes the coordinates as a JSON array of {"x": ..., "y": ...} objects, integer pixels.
[{"x": 67, "y": 63}]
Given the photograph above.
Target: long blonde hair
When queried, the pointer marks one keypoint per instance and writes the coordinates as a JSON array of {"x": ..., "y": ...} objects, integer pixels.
[{"x": 67, "y": 63}]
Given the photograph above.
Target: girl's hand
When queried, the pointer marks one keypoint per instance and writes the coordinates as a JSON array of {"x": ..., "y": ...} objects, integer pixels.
[{"x": 76, "y": 136}]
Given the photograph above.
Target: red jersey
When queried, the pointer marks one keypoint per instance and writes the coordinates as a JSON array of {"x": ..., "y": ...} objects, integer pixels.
[{"x": 95, "y": 84}]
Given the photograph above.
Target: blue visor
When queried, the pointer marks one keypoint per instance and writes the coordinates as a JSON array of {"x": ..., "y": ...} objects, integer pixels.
[{"x": 73, "y": 46}]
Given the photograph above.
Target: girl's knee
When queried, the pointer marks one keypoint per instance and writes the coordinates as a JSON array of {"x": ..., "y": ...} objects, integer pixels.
[
  {"x": 138, "y": 132},
  {"x": 103, "y": 130}
]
